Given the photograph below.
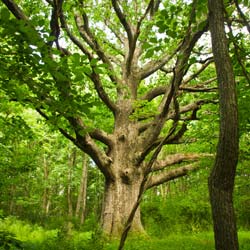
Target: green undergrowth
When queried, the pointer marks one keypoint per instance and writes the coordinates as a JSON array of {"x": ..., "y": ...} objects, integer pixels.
[{"x": 18, "y": 235}]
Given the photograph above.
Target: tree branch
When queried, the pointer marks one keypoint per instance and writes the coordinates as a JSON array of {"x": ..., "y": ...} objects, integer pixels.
[
  {"x": 200, "y": 87},
  {"x": 158, "y": 179},
  {"x": 201, "y": 69},
  {"x": 176, "y": 159},
  {"x": 193, "y": 106},
  {"x": 132, "y": 36},
  {"x": 101, "y": 92},
  {"x": 54, "y": 21},
  {"x": 15, "y": 10},
  {"x": 88, "y": 36},
  {"x": 154, "y": 65},
  {"x": 246, "y": 23},
  {"x": 153, "y": 93},
  {"x": 86, "y": 143},
  {"x": 74, "y": 39},
  {"x": 102, "y": 136},
  {"x": 122, "y": 19}
]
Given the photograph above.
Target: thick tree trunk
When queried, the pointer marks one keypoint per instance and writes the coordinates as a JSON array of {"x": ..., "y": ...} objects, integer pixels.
[
  {"x": 221, "y": 180},
  {"x": 119, "y": 198}
]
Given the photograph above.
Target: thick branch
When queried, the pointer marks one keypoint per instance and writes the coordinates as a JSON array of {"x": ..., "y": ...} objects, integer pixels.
[
  {"x": 176, "y": 159},
  {"x": 87, "y": 144},
  {"x": 156, "y": 180},
  {"x": 102, "y": 136},
  {"x": 15, "y": 9},
  {"x": 153, "y": 93},
  {"x": 100, "y": 158}
]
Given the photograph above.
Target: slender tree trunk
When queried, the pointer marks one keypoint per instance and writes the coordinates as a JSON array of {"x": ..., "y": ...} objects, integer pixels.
[
  {"x": 12, "y": 198},
  {"x": 221, "y": 180},
  {"x": 46, "y": 198},
  {"x": 72, "y": 160},
  {"x": 81, "y": 199}
]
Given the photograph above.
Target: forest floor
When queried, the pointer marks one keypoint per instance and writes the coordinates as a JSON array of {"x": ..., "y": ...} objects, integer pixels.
[{"x": 19, "y": 235}]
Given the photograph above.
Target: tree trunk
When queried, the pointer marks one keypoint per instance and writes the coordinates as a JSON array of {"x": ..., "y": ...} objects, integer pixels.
[
  {"x": 221, "y": 180},
  {"x": 46, "y": 192},
  {"x": 72, "y": 161},
  {"x": 119, "y": 198},
  {"x": 81, "y": 200}
]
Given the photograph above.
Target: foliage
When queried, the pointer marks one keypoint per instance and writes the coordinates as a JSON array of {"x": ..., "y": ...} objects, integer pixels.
[
  {"x": 67, "y": 79},
  {"x": 37, "y": 238},
  {"x": 8, "y": 241},
  {"x": 185, "y": 209}
]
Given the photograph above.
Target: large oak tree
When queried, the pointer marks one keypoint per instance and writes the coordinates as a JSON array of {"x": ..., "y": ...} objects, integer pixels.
[{"x": 130, "y": 62}]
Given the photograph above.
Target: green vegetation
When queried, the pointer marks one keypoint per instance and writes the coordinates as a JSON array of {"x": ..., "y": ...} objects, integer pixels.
[
  {"x": 98, "y": 96},
  {"x": 20, "y": 235}
]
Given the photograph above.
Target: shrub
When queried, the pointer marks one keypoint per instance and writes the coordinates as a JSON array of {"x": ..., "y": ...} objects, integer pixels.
[{"x": 8, "y": 241}]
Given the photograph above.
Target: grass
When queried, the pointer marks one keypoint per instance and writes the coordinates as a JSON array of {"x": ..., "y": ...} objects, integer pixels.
[
  {"x": 198, "y": 241},
  {"x": 37, "y": 238}
]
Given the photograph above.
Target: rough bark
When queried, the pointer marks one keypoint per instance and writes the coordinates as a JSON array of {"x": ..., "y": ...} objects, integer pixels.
[
  {"x": 119, "y": 199},
  {"x": 221, "y": 180}
]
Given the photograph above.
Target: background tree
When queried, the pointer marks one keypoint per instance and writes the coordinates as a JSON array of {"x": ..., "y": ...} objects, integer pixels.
[{"x": 221, "y": 180}]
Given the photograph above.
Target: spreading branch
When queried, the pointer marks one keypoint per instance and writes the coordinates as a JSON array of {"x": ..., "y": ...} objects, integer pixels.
[
  {"x": 82, "y": 23},
  {"x": 102, "y": 136},
  {"x": 131, "y": 35},
  {"x": 74, "y": 39},
  {"x": 154, "y": 65},
  {"x": 156, "y": 180},
  {"x": 155, "y": 92},
  {"x": 176, "y": 159},
  {"x": 205, "y": 64},
  {"x": 199, "y": 87},
  {"x": 193, "y": 106},
  {"x": 87, "y": 144},
  {"x": 83, "y": 140}
]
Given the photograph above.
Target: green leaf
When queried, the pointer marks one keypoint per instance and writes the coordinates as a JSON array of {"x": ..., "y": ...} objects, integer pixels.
[
  {"x": 4, "y": 14},
  {"x": 93, "y": 62},
  {"x": 98, "y": 70},
  {"x": 149, "y": 53},
  {"x": 87, "y": 70}
]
